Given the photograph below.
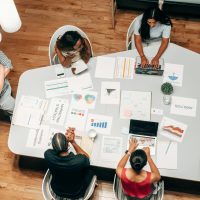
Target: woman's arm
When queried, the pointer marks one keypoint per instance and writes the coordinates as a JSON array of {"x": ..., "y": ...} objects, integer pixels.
[
  {"x": 155, "y": 174},
  {"x": 70, "y": 135},
  {"x": 161, "y": 50},
  {"x": 86, "y": 52},
  {"x": 122, "y": 163},
  {"x": 139, "y": 47},
  {"x": 2, "y": 76},
  {"x": 65, "y": 61}
]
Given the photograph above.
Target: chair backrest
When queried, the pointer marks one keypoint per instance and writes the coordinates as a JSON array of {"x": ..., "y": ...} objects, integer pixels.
[
  {"x": 157, "y": 193},
  {"x": 61, "y": 31},
  {"x": 90, "y": 188},
  {"x": 48, "y": 196},
  {"x": 129, "y": 34},
  {"x": 45, "y": 186}
]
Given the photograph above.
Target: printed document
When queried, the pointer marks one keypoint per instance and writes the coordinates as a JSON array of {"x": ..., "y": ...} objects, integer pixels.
[
  {"x": 166, "y": 154},
  {"x": 57, "y": 111},
  {"x": 110, "y": 92},
  {"x": 29, "y": 112},
  {"x": 111, "y": 148},
  {"x": 135, "y": 105},
  {"x": 173, "y": 74},
  {"x": 183, "y": 106}
]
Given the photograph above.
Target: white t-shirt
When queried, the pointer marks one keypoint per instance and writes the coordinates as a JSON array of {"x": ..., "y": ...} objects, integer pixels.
[{"x": 156, "y": 33}]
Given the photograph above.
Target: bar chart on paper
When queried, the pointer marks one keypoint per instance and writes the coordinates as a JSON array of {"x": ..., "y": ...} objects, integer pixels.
[
  {"x": 98, "y": 124},
  {"x": 101, "y": 123}
]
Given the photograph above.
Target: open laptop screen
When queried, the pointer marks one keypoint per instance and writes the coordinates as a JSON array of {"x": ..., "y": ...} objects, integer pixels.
[{"x": 145, "y": 128}]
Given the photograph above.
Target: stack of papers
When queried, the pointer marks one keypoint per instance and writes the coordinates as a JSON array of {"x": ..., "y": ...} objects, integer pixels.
[
  {"x": 110, "y": 67},
  {"x": 29, "y": 112}
]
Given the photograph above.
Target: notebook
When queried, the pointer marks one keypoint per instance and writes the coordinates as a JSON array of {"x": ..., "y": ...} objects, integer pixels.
[
  {"x": 149, "y": 69},
  {"x": 145, "y": 133}
]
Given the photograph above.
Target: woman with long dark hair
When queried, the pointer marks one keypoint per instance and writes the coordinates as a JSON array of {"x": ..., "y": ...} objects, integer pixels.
[{"x": 152, "y": 27}]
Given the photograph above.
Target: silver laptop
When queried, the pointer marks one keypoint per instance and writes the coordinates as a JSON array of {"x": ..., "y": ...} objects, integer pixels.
[{"x": 145, "y": 132}]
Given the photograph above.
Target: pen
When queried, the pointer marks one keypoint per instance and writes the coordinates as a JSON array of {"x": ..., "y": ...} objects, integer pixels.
[{"x": 168, "y": 147}]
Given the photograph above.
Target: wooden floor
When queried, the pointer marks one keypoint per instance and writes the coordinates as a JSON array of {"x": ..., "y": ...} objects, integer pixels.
[{"x": 28, "y": 49}]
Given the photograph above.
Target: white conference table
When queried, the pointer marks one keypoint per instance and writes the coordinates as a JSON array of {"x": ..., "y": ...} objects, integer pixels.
[{"x": 32, "y": 83}]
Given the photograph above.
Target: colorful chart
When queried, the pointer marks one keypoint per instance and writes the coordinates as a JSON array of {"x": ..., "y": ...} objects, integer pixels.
[
  {"x": 81, "y": 113},
  {"x": 173, "y": 77},
  {"x": 98, "y": 124}
]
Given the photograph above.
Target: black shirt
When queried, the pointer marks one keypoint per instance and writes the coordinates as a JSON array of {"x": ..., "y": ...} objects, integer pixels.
[{"x": 67, "y": 173}]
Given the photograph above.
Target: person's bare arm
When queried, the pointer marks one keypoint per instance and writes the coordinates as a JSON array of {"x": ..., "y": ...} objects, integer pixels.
[
  {"x": 2, "y": 76},
  {"x": 161, "y": 50},
  {"x": 64, "y": 61},
  {"x": 70, "y": 135},
  {"x": 155, "y": 174},
  {"x": 139, "y": 47},
  {"x": 122, "y": 163},
  {"x": 86, "y": 53},
  {"x": 6, "y": 72}
]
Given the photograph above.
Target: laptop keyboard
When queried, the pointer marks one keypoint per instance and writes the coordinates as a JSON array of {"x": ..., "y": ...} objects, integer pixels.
[{"x": 150, "y": 67}]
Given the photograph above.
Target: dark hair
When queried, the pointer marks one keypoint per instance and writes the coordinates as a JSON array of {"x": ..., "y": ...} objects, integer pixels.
[
  {"x": 152, "y": 13},
  {"x": 68, "y": 40},
  {"x": 138, "y": 160},
  {"x": 59, "y": 143}
]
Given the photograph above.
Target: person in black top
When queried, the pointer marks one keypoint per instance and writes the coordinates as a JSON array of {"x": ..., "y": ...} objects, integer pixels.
[{"x": 70, "y": 173}]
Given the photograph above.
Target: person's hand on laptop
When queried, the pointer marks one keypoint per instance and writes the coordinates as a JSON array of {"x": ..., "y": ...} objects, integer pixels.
[
  {"x": 155, "y": 62},
  {"x": 132, "y": 145},
  {"x": 144, "y": 61}
]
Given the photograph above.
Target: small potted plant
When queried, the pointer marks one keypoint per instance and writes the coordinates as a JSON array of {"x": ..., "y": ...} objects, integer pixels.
[{"x": 167, "y": 90}]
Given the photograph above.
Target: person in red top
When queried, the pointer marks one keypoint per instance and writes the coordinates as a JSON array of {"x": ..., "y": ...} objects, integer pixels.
[{"x": 137, "y": 182}]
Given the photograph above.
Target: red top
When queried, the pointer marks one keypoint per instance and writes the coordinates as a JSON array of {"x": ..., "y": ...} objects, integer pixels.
[{"x": 136, "y": 189}]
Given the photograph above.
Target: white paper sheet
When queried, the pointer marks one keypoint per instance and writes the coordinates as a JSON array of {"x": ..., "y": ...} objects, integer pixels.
[
  {"x": 110, "y": 92},
  {"x": 135, "y": 105},
  {"x": 38, "y": 138},
  {"x": 76, "y": 118},
  {"x": 57, "y": 87},
  {"x": 105, "y": 67},
  {"x": 183, "y": 106},
  {"x": 111, "y": 148},
  {"x": 173, "y": 73},
  {"x": 84, "y": 99},
  {"x": 167, "y": 154},
  {"x": 124, "y": 68},
  {"x": 79, "y": 66},
  {"x": 29, "y": 112},
  {"x": 80, "y": 82},
  {"x": 172, "y": 129},
  {"x": 57, "y": 111},
  {"x": 100, "y": 123}
]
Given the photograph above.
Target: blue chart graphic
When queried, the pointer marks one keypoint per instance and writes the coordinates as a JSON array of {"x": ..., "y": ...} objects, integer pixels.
[
  {"x": 173, "y": 77},
  {"x": 99, "y": 124}
]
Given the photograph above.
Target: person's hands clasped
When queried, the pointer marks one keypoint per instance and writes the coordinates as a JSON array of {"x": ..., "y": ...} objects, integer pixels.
[
  {"x": 155, "y": 62},
  {"x": 147, "y": 151},
  {"x": 132, "y": 145},
  {"x": 70, "y": 134},
  {"x": 144, "y": 61}
]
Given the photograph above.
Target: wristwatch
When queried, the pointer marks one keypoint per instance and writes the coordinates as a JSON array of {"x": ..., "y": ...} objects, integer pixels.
[{"x": 127, "y": 152}]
